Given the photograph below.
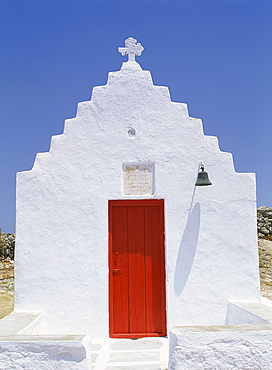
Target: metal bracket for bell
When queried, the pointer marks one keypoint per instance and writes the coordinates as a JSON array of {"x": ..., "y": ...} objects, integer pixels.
[{"x": 203, "y": 178}]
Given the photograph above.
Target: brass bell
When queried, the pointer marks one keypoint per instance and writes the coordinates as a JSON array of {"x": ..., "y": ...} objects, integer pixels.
[{"x": 202, "y": 178}]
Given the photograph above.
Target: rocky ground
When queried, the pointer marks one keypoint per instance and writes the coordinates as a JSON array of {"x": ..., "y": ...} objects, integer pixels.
[
  {"x": 265, "y": 264},
  {"x": 7, "y": 277},
  {"x": 6, "y": 287}
]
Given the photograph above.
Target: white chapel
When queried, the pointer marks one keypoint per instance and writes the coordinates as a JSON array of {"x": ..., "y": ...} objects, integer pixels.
[{"x": 116, "y": 240}]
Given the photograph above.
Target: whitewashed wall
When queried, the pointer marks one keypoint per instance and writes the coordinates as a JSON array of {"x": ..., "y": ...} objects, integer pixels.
[
  {"x": 227, "y": 347},
  {"x": 62, "y": 211},
  {"x": 25, "y": 353}
]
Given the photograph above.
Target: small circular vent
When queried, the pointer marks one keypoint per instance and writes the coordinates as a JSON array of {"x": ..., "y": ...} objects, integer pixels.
[{"x": 131, "y": 132}]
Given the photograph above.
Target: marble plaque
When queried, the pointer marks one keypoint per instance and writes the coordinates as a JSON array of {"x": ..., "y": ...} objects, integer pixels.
[{"x": 138, "y": 178}]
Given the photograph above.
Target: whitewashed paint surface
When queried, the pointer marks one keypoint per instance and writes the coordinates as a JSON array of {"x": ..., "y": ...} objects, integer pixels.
[
  {"x": 236, "y": 347},
  {"x": 62, "y": 211}
]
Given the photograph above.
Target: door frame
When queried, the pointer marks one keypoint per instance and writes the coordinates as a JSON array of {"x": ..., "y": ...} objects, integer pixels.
[{"x": 126, "y": 203}]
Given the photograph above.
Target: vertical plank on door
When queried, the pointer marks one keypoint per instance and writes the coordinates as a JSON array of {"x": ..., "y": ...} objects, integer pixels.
[
  {"x": 137, "y": 320},
  {"x": 119, "y": 270},
  {"x": 154, "y": 263}
]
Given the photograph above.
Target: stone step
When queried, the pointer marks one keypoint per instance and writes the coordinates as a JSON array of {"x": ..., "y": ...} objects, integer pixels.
[
  {"x": 129, "y": 366},
  {"x": 128, "y": 354},
  {"x": 134, "y": 356},
  {"x": 139, "y": 344}
]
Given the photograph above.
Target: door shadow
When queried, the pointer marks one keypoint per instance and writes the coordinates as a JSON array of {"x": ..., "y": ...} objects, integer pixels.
[{"x": 187, "y": 250}]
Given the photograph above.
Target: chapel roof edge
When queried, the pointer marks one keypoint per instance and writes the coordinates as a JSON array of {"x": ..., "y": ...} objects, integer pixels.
[{"x": 130, "y": 65}]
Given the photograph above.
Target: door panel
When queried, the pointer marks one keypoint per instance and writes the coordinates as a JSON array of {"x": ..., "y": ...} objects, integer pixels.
[
  {"x": 136, "y": 268},
  {"x": 136, "y": 275},
  {"x": 120, "y": 270},
  {"x": 153, "y": 238}
]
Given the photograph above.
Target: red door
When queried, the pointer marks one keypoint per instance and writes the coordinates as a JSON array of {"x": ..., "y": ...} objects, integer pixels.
[{"x": 136, "y": 268}]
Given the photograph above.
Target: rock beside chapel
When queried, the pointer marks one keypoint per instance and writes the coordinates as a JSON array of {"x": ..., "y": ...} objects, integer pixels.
[
  {"x": 264, "y": 221},
  {"x": 7, "y": 245}
]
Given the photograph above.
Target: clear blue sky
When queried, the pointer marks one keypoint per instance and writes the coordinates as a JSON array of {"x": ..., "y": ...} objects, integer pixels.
[{"x": 216, "y": 56}]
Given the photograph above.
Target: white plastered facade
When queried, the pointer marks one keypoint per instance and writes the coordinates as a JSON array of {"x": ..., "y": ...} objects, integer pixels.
[{"x": 211, "y": 250}]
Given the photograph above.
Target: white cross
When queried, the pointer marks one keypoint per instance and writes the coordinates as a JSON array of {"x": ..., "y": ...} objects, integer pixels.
[{"x": 131, "y": 49}]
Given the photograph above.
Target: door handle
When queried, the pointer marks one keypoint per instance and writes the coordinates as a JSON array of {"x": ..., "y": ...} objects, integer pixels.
[{"x": 116, "y": 271}]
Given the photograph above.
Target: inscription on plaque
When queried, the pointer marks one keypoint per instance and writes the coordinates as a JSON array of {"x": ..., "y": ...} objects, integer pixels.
[{"x": 138, "y": 178}]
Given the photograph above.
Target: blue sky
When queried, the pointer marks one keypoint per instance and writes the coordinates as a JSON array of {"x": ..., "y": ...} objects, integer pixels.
[{"x": 216, "y": 56}]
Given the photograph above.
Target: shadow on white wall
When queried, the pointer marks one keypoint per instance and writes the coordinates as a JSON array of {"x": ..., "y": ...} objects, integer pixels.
[{"x": 187, "y": 249}]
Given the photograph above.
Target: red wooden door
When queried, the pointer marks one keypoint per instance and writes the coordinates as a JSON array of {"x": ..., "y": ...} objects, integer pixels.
[{"x": 136, "y": 268}]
